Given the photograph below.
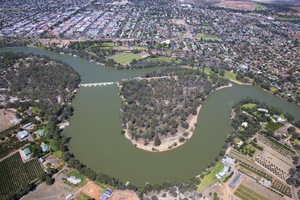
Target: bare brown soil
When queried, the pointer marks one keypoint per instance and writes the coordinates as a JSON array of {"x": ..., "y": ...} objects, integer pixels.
[
  {"x": 5, "y": 116},
  {"x": 60, "y": 43},
  {"x": 124, "y": 195},
  {"x": 261, "y": 190},
  {"x": 237, "y": 5},
  {"x": 297, "y": 36},
  {"x": 92, "y": 190}
]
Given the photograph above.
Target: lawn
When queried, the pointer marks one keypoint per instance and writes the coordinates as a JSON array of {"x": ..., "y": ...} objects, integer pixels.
[
  {"x": 273, "y": 89},
  {"x": 210, "y": 178},
  {"x": 78, "y": 175},
  {"x": 124, "y": 58},
  {"x": 35, "y": 110},
  {"x": 207, "y": 181},
  {"x": 209, "y": 37},
  {"x": 218, "y": 168},
  {"x": 230, "y": 75},
  {"x": 107, "y": 44},
  {"x": 249, "y": 105},
  {"x": 237, "y": 140},
  {"x": 260, "y": 7},
  {"x": 82, "y": 196},
  {"x": 51, "y": 144},
  {"x": 57, "y": 153}
]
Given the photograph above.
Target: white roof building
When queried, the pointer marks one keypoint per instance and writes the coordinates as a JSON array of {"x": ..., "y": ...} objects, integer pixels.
[
  {"x": 228, "y": 161},
  {"x": 74, "y": 180},
  {"x": 22, "y": 134}
]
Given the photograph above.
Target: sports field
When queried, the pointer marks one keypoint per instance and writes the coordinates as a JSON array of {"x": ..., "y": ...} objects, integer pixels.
[
  {"x": 209, "y": 37},
  {"x": 125, "y": 58}
]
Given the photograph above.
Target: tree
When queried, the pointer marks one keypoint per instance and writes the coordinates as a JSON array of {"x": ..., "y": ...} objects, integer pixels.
[
  {"x": 49, "y": 180},
  {"x": 222, "y": 72},
  {"x": 157, "y": 141},
  {"x": 291, "y": 129},
  {"x": 297, "y": 124},
  {"x": 43, "y": 176}
]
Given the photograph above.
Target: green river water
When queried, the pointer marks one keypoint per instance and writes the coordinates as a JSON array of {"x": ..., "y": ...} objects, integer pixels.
[{"x": 95, "y": 127}]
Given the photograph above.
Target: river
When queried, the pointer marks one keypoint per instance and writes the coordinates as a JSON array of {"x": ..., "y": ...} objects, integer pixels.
[{"x": 96, "y": 130}]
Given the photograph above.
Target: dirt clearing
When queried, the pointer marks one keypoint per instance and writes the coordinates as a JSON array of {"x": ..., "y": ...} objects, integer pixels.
[
  {"x": 92, "y": 190},
  {"x": 5, "y": 116},
  {"x": 124, "y": 195}
]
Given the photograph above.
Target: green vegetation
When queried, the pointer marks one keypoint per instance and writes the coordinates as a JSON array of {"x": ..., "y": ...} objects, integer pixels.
[
  {"x": 249, "y": 105},
  {"x": 82, "y": 196},
  {"x": 255, "y": 171},
  {"x": 273, "y": 126},
  {"x": 260, "y": 7},
  {"x": 282, "y": 187},
  {"x": 78, "y": 175},
  {"x": 210, "y": 177},
  {"x": 296, "y": 19},
  {"x": 209, "y": 38},
  {"x": 124, "y": 57},
  {"x": 161, "y": 104},
  {"x": 245, "y": 193},
  {"x": 277, "y": 146},
  {"x": 15, "y": 174},
  {"x": 37, "y": 81},
  {"x": 9, "y": 141},
  {"x": 207, "y": 181},
  {"x": 218, "y": 168}
]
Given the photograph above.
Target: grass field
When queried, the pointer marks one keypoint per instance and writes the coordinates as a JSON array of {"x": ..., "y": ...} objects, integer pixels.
[
  {"x": 245, "y": 193},
  {"x": 15, "y": 174},
  {"x": 78, "y": 175},
  {"x": 249, "y": 105},
  {"x": 260, "y": 7},
  {"x": 209, "y": 37},
  {"x": 82, "y": 196},
  {"x": 124, "y": 58},
  {"x": 210, "y": 178}
]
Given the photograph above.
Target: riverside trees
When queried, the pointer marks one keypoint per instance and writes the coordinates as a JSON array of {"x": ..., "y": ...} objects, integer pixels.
[{"x": 161, "y": 105}]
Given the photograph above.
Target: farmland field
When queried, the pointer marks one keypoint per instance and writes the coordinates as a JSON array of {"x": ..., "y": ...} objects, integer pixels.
[
  {"x": 15, "y": 174},
  {"x": 124, "y": 58},
  {"x": 245, "y": 193}
]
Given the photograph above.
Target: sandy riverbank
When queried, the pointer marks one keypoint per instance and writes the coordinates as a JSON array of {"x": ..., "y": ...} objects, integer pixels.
[{"x": 167, "y": 143}]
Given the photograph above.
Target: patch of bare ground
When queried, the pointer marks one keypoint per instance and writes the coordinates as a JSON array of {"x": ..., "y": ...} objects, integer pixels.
[
  {"x": 59, "y": 43},
  {"x": 124, "y": 195},
  {"x": 237, "y": 5},
  {"x": 261, "y": 190},
  {"x": 5, "y": 116},
  {"x": 92, "y": 190}
]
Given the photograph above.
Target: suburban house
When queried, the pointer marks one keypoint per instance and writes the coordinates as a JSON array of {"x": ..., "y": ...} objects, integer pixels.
[
  {"x": 74, "y": 180},
  {"x": 25, "y": 154},
  {"x": 41, "y": 133},
  {"x": 44, "y": 147}
]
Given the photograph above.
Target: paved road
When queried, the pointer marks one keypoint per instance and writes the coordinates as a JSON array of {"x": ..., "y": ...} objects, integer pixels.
[{"x": 294, "y": 193}]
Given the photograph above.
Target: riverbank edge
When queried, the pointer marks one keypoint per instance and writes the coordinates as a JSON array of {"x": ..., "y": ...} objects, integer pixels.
[{"x": 168, "y": 144}]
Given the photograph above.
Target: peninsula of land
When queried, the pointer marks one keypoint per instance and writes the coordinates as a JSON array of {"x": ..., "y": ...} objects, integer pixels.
[{"x": 160, "y": 112}]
